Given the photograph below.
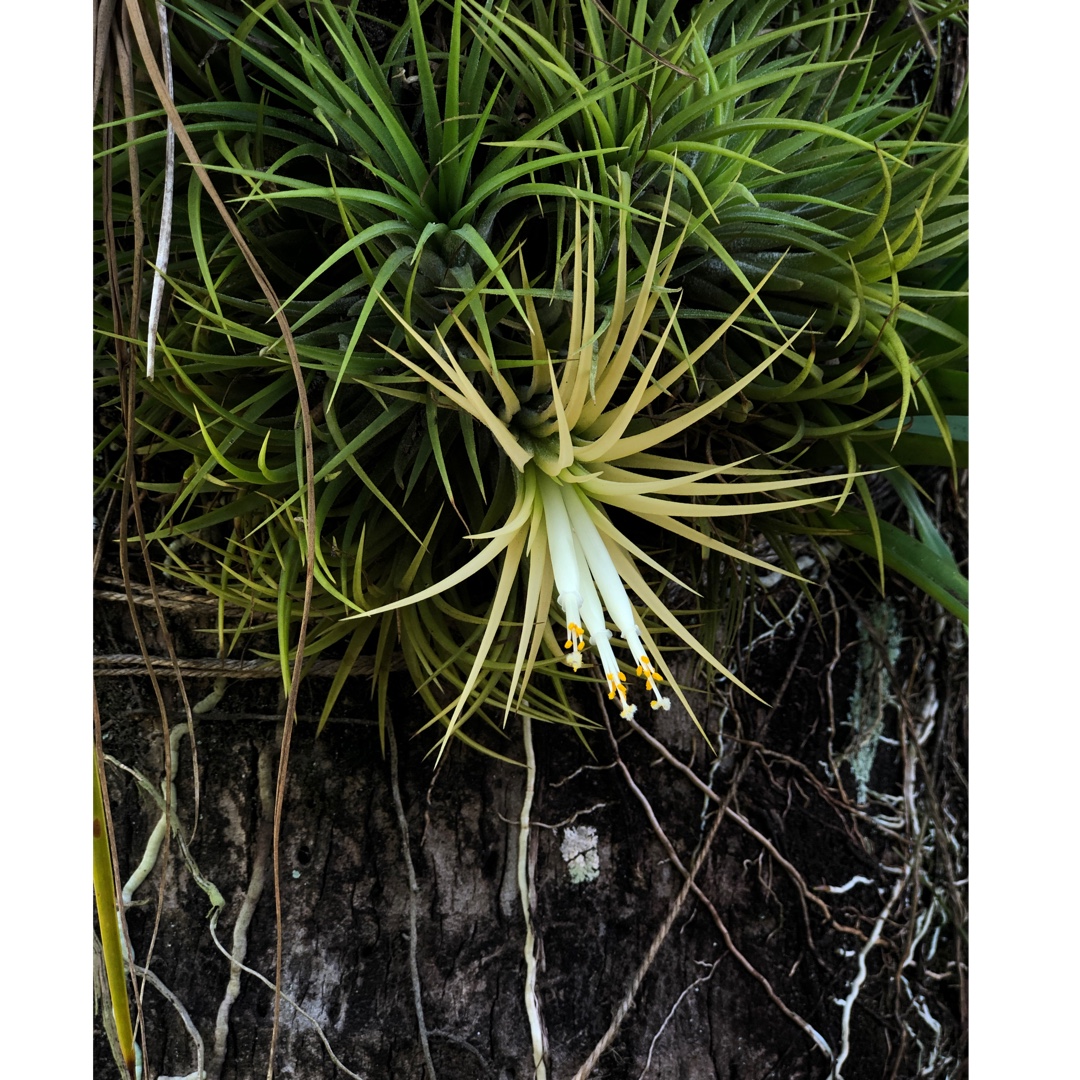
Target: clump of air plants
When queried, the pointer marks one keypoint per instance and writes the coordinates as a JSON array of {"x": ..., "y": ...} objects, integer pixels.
[
  {"x": 543, "y": 265},
  {"x": 532, "y": 274}
]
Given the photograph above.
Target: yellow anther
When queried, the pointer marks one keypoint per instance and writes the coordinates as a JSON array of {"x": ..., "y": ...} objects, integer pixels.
[{"x": 645, "y": 668}]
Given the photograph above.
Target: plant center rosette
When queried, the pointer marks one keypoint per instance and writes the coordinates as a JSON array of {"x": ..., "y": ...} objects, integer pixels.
[{"x": 596, "y": 440}]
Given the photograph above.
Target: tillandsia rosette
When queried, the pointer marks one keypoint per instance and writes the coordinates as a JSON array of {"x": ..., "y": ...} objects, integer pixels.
[{"x": 594, "y": 440}]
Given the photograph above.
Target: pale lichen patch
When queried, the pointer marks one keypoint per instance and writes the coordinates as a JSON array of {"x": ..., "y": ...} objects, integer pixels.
[{"x": 580, "y": 853}]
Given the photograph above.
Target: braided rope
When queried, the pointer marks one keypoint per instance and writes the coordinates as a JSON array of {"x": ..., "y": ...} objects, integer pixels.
[{"x": 120, "y": 664}]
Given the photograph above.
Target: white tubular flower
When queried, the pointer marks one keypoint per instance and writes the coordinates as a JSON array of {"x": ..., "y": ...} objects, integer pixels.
[
  {"x": 611, "y": 588},
  {"x": 600, "y": 636},
  {"x": 582, "y": 566},
  {"x": 562, "y": 551}
]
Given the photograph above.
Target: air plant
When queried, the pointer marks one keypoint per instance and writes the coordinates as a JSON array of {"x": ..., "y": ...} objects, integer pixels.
[
  {"x": 583, "y": 437},
  {"x": 407, "y": 169}
]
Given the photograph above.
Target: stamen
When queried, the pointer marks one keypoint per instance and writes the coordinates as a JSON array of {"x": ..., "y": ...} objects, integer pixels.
[
  {"x": 617, "y": 685},
  {"x": 652, "y": 679},
  {"x": 575, "y": 640}
]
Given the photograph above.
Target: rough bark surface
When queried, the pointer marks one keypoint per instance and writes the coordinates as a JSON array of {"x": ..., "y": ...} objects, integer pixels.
[{"x": 699, "y": 1012}]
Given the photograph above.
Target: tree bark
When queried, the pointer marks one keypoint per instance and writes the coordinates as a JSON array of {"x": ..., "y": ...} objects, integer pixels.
[{"x": 754, "y": 964}]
